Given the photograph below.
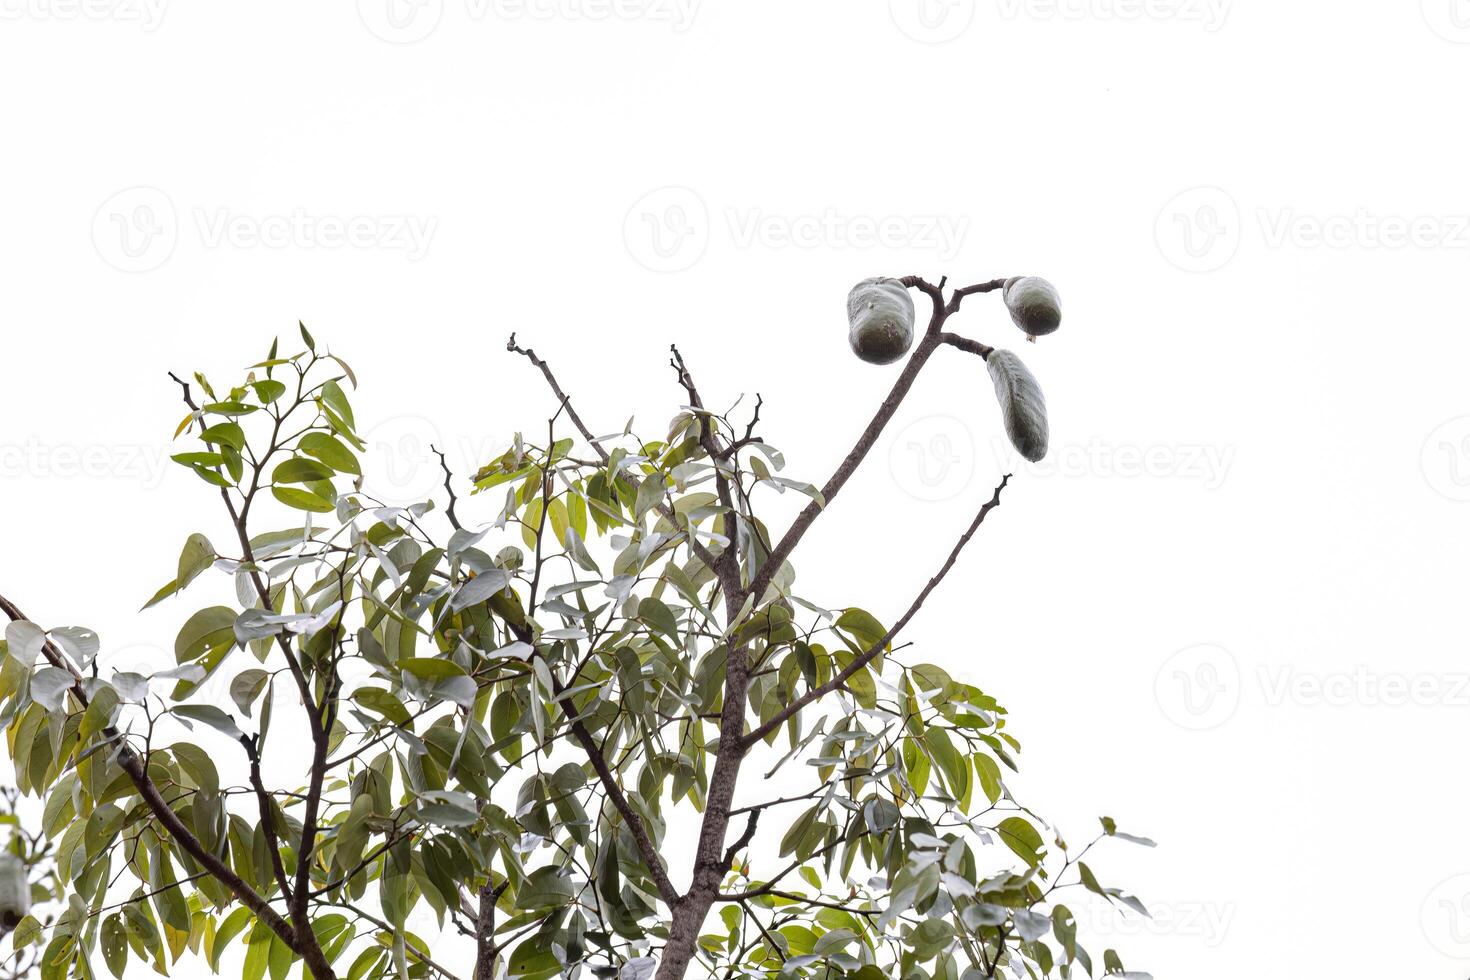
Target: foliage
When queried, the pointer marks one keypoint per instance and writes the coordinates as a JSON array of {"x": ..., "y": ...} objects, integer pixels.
[{"x": 517, "y": 726}]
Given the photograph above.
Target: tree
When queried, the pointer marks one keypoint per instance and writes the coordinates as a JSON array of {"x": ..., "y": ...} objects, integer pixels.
[
  {"x": 27, "y": 881},
  {"x": 516, "y": 724}
]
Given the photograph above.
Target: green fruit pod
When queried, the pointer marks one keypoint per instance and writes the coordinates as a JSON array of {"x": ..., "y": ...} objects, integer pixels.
[
  {"x": 880, "y": 316},
  {"x": 1034, "y": 304},
  {"x": 1022, "y": 405},
  {"x": 15, "y": 890}
]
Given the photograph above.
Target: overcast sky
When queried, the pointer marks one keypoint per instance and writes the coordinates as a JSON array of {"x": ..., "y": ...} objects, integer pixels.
[{"x": 1228, "y": 610}]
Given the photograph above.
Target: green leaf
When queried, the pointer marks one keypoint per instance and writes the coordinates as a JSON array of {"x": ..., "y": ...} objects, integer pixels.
[
  {"x": 170, "y": 589},
  {"x": 862, "y": 627},
  {"x": 931, "y": 938},
  {"x": 198, "y": 459},
  {"x": 257, "y": 958},
  {"x": 1022, "y": 838},
  {"x": 336, "y": 399},
  {"x": 225, "y": 434},
  {"x": 384, "y": 703},
  {"x": 331, "y": 451},
  {"x": 268, "y": 391},
  {"x": 303, "y": 500},
  {"x": 950, "y": 762},
  {"x": 208, "y": 714},
  {"x": 659, "y": 616},
  {"x": 114, "y": 944},
  {"x": 299, "y": 469},
  {"x": 197, "y": 555},
  {"x": 27, "y": 932},
  {"x": 989, "y": 773},
  {"x": 246, "y": 687},
  {"x": 204, "y": 631},
  {"x": 546, "y": 888}
]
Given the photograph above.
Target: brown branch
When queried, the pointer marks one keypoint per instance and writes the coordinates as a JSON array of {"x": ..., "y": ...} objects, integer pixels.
[
  {"x": 267, "y": 813},
  {"x": 560, "y": 395},
  {"x": 636, "y": 827},
  {"x": 967, "y": 345},
  {"x": 933, "y": 337},
  {"x": 858, "y": 664},
  {"x": 320, "y": 717},
  {"x": 164, "y": 814},
  {"x": 745, "y": 838},
  {"x": 727, "y": 565},
  {"x": 804, "y": 900},
  {"x": 448, "y": 488},
  {"x": 668, "y": 513},
  {"x": 486, "y": 952},
  {"x": 412, "y": 948}
]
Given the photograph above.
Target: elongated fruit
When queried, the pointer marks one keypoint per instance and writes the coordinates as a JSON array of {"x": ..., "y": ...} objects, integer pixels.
[
  {"x": 15, "y": 892},
  {"x": 1022, "y": 405},
  {"x": 880, "y": 316},
  {"x": 1034, "y": 304}
]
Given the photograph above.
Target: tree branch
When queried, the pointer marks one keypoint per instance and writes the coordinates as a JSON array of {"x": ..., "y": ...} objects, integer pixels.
[
  {"x": 448, "y": 488},
  {"x": 267, "y": 814},
  {"x": 745, "y": 838},
  {"x": 561, "y": 396},
  {"x": 858, "y": 664},
  {"x": 138, "y": 773},
  {"x": 933, "y": 337}
]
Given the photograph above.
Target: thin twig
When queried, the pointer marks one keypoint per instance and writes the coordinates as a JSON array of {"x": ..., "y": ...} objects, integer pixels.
[{"x": 859, "y": 663}]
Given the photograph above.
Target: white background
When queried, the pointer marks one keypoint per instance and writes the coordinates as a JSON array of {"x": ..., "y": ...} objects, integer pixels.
[{"x": 1203, "y": 612}]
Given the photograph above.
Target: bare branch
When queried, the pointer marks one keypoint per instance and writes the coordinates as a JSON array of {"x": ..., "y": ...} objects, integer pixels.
[
  {"x": 561, "y": 396},
  {"x": 700, "y": 551},
  {"x": 448, "y": 488},
  {"x": 267, "y": 813},
  {"x": 138, "y": 773},
  {"x": 610, "y": 784},
  {"x": 745, "y": 838},
  {"x": 859, "y": 663},
  {"x": 933, "y": 337},
  {"x": 967, "y": 345}
]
